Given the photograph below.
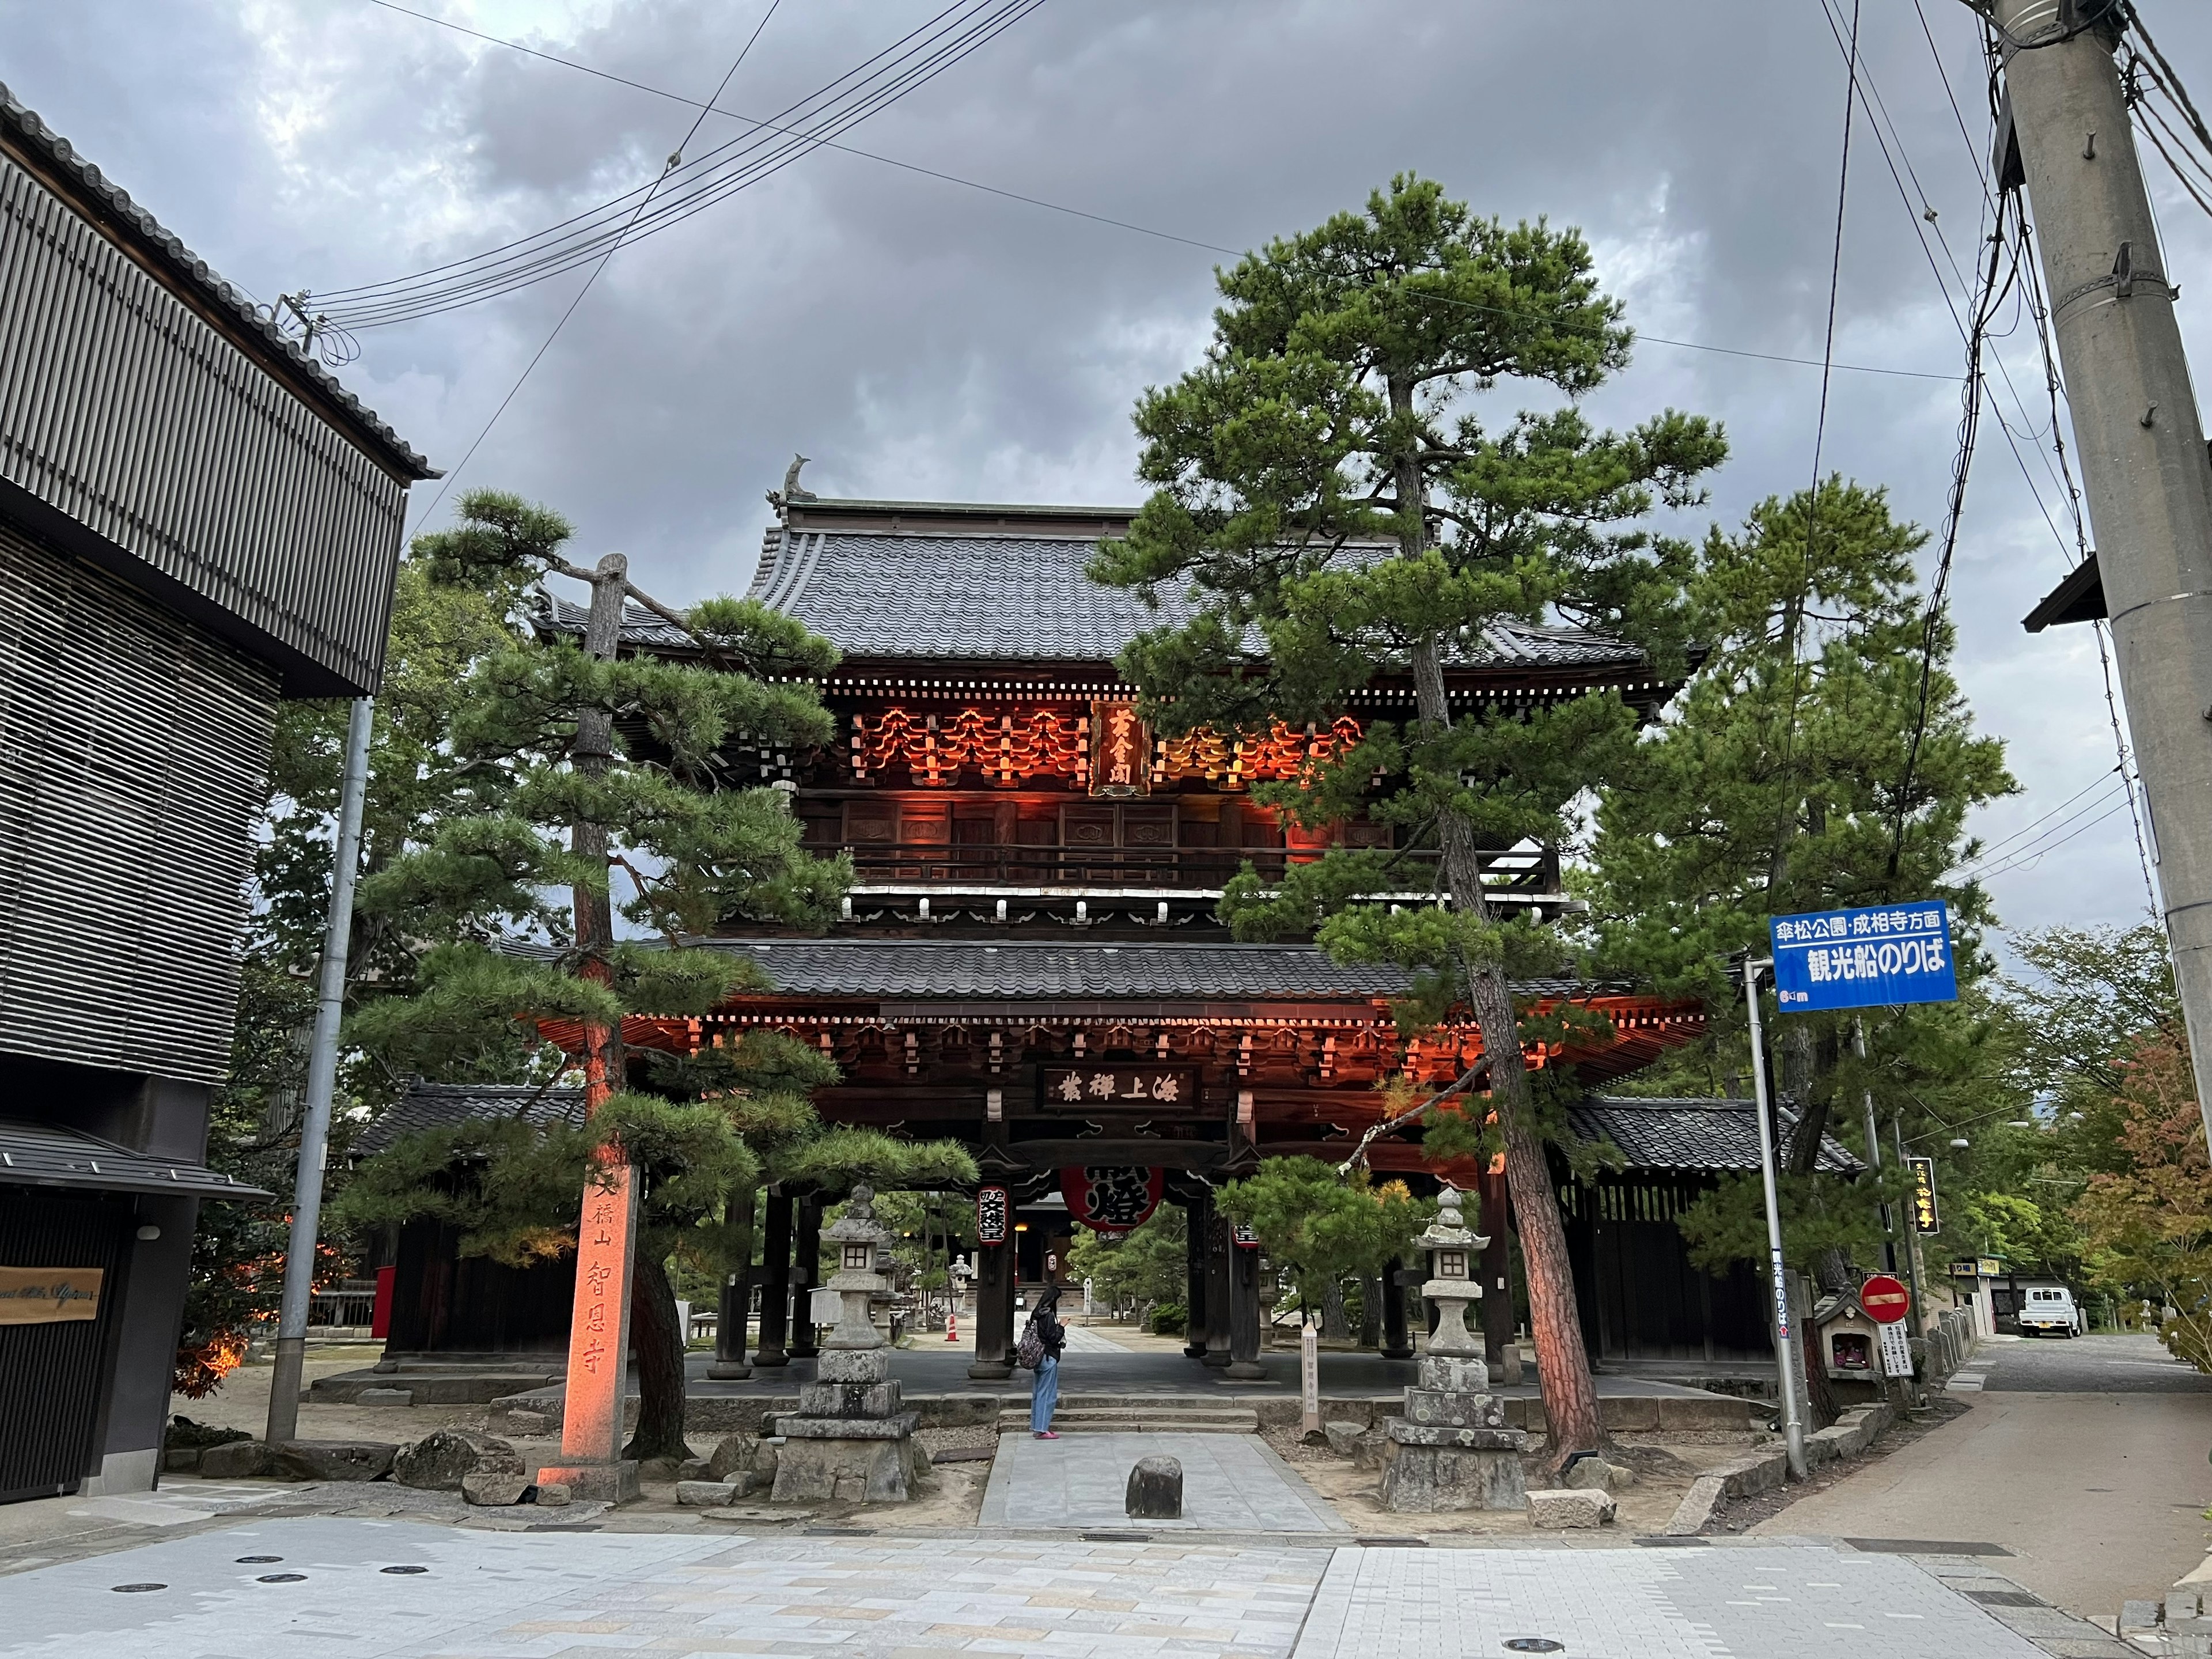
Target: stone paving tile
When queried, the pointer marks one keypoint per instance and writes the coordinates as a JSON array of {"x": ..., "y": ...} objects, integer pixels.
[
  {"x": 492, "y": 1595},
  {"x": 1728, "y": 1603},
  {"x": 1231, "y": 1483}
]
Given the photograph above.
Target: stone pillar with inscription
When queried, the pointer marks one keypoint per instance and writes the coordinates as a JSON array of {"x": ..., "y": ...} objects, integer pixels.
[
  {"x": 1244, "y": 1307},
  {"x": 850, "y": 1440},
  {"x": 1198, "y": 1216},
  {"x": 1451, "y": 1449},
  {"x": 592, "y": 1464},
  {"x": 1220, "y": 1278}
]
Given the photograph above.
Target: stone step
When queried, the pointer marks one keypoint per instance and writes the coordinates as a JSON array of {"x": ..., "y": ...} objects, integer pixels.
[{"x": 1132, "y": 1420}]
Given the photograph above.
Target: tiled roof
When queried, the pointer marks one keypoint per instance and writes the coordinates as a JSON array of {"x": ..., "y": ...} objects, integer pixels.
[
  {"x": 1006, "y": 597},
  {"x": 1660, "y": 1133},
  {"x": 1017, "y": 598},
  {"x": 1027, "y": 971},
  {"x": 168, "y": 253},
  {"x": 46, "y": 1155},
  {"x": 435, "y": 1105}
]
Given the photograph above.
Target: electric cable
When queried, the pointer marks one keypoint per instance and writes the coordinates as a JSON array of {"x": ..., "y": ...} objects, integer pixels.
[
  {"x": 446, "y": 483},
  {"x": 687, "y": 187}
]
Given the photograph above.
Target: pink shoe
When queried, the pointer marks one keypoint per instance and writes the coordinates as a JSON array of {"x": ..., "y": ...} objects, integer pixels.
[{"x": 1047, "y": 1435}]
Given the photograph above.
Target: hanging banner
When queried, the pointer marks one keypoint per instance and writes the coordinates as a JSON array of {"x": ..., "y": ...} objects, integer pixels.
[
  {"x": 1112, "y": 1198},
  {"x": 1875, "y": 958},
  {"x": 992, "y": 1212},
  {"x": 47, "y": 1296}
]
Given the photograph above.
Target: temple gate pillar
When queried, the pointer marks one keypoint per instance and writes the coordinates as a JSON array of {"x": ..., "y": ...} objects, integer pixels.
[
  {"x": 805, "y": 1274},
  {"x": 1220, "y": 1296},
  {"x": 1244, "y": 1313},
  {"x": 1198, "y": 1216},
  {"x": 995, "y": 1309},
  {"x": 775, "y": 1281}
]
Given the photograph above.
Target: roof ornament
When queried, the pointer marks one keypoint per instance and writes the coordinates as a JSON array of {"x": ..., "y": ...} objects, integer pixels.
[{"x": 792, "y": 490}]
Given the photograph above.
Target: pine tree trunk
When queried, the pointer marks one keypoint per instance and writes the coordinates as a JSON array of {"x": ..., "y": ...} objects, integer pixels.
[
  {"x": 659, "y": 1348},
  {"x": 1334, "y": 1324},
  {"x": 1371, "y": 1312},
  {"x": 1563, "y": 1368}
]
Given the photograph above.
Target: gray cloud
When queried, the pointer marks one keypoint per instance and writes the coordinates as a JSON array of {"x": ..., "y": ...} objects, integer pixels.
[{"x": 922, "y": 339}]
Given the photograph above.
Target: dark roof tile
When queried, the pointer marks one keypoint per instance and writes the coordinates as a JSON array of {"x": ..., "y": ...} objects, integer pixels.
[
  {"x": 436, "y": 1105},
  {"x": 46, "y": 1155},
  {"x": 1670, "y": 1134}
]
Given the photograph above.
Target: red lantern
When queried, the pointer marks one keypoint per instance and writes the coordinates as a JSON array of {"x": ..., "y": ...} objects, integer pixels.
[{"x": 1112, "y": 1198}]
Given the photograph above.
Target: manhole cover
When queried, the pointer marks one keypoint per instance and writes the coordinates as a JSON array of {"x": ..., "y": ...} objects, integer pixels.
[
  {"x": 282, "y": 1578},
  {"x": 1534, "y": 1645},
  {"x": 136, "y": 1589},
  {"x": 257, "y": 1560},
  {"x": 403, "y": 1569}
]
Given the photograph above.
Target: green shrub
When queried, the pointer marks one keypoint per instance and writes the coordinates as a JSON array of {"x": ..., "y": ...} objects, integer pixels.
[{"x": 1171, "y": 1319}]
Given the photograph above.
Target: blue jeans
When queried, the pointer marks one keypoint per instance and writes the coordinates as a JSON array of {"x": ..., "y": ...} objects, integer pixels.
[{"x": 1045, "y": 1394}]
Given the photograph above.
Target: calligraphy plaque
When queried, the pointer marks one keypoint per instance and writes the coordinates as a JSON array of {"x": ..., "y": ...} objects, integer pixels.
[
  {"x": 47, "y": 1296},
  {"x": 1107, "y": 1086},
  {"x": 1121, "y": 750}
]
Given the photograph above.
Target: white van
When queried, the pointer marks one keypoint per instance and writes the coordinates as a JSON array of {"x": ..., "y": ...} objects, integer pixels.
[{"x": 2048, "y": 1308}]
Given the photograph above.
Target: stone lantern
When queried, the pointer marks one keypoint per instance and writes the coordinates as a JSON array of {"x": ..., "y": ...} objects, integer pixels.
[
  {"x": 859, "y": 1241},
  {"x": 1451, "y": 1449},
  {"x": 1452, "y": 1249},
  {"x": 850, "y": 1438}
]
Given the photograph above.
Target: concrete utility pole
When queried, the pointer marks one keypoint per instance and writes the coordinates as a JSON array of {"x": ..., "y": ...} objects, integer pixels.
[
  {"x": 322, "y": 1083},
  {"x": 2139, "y": 439}
]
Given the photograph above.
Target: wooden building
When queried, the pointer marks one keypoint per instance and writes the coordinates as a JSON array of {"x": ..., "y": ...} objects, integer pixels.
[
  {"x": 1642, "y": 1302},
  {"x": 1031, "y": 959},
  {"x": 196, "y": 521}
]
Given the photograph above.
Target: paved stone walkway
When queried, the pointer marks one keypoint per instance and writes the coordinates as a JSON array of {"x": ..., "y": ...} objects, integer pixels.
[
  {"x": 1231, "y": 1483},
  {"x": 1652, "y": 1604},
  {"x": 280, "y": 1587}
]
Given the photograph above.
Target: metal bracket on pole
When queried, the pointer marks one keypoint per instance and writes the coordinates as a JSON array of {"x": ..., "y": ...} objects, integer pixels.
[
  {"x": 322, "y": 1080},
  {"x": 1793, "y": 1417}
]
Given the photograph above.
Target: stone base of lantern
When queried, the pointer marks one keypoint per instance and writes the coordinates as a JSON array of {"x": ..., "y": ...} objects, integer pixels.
[
  {"x": 850, "y": 1439},
  {"x": 1451, "y": 1449}
]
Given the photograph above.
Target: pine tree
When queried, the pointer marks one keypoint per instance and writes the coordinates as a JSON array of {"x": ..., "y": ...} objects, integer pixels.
[
  {"x": 1330, "y": 497},
  {"x": 580, "y": 763}
]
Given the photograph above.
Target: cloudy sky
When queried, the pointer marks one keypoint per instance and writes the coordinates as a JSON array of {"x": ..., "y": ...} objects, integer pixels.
[{"x": 921, "y": 338}]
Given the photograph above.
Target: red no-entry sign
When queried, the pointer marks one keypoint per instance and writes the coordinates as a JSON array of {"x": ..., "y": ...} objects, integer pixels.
[{"x": 1884, "y": 1299}]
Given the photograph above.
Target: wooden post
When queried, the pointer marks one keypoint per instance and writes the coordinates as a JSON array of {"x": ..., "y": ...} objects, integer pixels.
[
  {"x": 1397, "y": 1344},
  {"x": 1199, "y": 1217},
  {"x": 775, "y": 1282},
  {"x": 1244, "y": 1313},
  {"x": 1309, "y": 1375},
  {"x": 805, "y": 1274},
  {"x": 1220, "y": 1295},
  {"x": 995, "y": 1309},
  {"x": 1499, "y": 1350},
  {"x": 592, "y": 1466}
]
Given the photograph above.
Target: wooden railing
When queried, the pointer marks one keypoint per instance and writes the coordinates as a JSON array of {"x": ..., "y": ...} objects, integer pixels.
[{"x": 1529, "y": 869}]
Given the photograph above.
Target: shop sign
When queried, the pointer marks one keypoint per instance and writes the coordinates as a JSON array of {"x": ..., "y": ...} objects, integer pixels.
[{"x": 49, "y": 1296}]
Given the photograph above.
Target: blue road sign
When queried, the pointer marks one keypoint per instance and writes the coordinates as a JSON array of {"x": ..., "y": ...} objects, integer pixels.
[{"x": 1890, "y": 953}]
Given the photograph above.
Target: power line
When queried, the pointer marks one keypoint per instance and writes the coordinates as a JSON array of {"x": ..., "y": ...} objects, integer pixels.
[
  {"x": 538, "y": 355},
  {"x": 2004, "y": 848},
  {"x": 713, "y": 107},
  {"x": 689, "y": 187}
]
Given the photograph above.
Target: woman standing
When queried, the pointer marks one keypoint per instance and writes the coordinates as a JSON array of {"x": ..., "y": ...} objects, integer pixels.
[{"x": 1039, "y": 1348}]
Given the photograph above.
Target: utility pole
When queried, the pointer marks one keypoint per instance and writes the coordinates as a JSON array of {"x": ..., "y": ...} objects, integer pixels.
[
  {"x": 1788, "y": 1343},
  {"x": 2139, "y": 435},
  {"x": 322, "y": 1081}
]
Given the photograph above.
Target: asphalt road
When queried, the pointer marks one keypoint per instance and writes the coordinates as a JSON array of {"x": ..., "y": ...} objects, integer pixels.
[
  {"x": 2086, "y": 1459},
  {"x": 2086, "y": 1365}
]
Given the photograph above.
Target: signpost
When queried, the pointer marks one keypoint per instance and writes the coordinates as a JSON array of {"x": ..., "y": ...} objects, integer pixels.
[
  {"x": 1884, "y": 1299},
  {"x": 1887, "y": 1303},
  {"x": 1925, "y": 1217},
  {"x": 1877, "y": 956}
]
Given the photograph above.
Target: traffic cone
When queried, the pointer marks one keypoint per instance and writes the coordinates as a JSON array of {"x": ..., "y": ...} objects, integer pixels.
[{"x": 952, "y": 1328}]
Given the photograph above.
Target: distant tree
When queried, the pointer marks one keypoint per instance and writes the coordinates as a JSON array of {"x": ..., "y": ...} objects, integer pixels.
[
  {"x": 1323, "y": 1227},
  {"x": 1332, "y": 499},
  {"x": 1147, "y": 1267},
  {"x": 2149, "y": 1224}
]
